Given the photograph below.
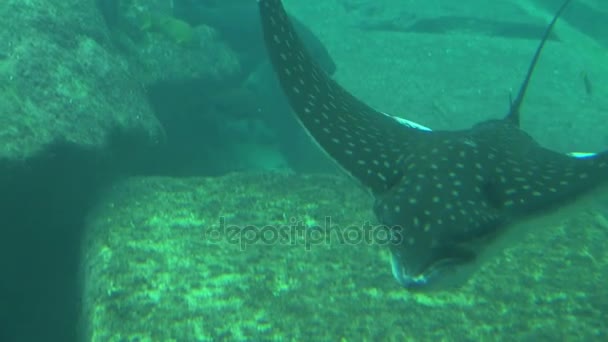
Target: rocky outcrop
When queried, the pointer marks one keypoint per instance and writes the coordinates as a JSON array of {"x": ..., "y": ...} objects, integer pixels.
[
  {"x": 184, "y": 259},
  {"x": 74, "y": 115}
]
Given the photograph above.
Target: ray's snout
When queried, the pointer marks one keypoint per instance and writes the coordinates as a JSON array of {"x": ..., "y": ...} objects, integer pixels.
[
  {"x": 405, "y": 279},
  {"x": 419, "y": 264}
]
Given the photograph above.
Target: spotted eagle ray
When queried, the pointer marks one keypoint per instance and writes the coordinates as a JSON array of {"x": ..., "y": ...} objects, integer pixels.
[{"x": 444, "y": 194}]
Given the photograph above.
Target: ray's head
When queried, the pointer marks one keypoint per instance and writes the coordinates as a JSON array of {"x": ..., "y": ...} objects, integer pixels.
[
  {"x": 427, "y": 262},
  {"x": 462, "y": 190},
  {"x": 440, "y": 214},
  {"x": 421, "y": 262},
  {"x": 431, "y": 269}
]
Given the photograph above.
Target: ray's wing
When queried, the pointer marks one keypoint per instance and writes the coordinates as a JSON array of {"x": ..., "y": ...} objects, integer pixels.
[
  {"x": 524, "y": 177},
  {"x": 364, "y": 142},
  {"x": 542, "y": 178}
]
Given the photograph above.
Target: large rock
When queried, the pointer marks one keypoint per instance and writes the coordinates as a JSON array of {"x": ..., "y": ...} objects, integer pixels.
[
  {"x": 74, "y": 114},
  {"x": 67, "y": 79},
  {"x": 63, "y": 83},
  {"x": 239, "y": 25},
  {"x": 160, "y": 266},
  {"x": 168, "y": 49}
]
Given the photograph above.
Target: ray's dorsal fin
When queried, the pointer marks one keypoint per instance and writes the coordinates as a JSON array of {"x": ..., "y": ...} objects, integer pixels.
[
  {"x": 366, "y": 143},
  {"x": 514, "y": 112}
]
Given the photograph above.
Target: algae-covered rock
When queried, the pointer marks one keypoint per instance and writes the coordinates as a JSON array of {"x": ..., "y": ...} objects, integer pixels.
[
  {"x": 247, "y": 257},
  {"x": 168, "y": 49},
  {"x": 61, "y": 82},
  {"x": 178, "y": 30}
]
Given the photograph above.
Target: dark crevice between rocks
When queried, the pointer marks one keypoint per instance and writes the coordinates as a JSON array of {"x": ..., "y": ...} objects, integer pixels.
[
  {"x": 203, "y": 124},
  {"x": 43, "y": 207},
  {"x": 195, "y": 128}
]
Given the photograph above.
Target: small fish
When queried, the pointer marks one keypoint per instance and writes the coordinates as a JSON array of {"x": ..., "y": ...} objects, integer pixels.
[
  {"x": 446, "y": 194},
  {"x": 587, "y": 83}
]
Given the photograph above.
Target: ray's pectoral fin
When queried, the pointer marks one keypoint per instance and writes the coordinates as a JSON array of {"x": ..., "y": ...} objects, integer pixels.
[{"x": 363, "y": 141}]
